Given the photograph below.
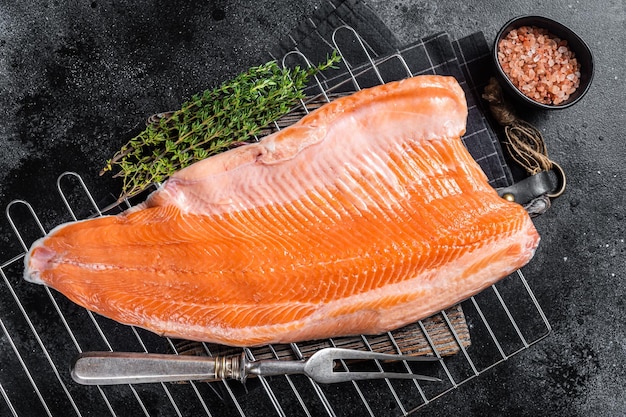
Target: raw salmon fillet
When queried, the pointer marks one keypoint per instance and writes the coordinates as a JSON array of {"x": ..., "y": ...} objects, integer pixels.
[{"x": 366, "y": 215}]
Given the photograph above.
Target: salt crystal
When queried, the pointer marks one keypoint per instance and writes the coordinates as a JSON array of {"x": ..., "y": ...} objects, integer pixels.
[{"x": 539, "y": 64}]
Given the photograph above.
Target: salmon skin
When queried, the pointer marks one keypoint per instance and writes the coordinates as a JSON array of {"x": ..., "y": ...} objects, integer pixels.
[{"x": 366, "y": 215}]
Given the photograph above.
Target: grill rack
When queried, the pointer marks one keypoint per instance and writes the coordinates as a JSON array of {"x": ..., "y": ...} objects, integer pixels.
[{"x": 42, "y": 331}]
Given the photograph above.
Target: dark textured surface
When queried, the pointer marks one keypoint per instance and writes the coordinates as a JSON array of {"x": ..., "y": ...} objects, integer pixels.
[{"x": 78, "y": 78}]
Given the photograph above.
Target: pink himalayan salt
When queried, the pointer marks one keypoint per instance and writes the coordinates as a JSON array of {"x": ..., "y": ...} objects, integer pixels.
[{"x": 539, "y": 64}]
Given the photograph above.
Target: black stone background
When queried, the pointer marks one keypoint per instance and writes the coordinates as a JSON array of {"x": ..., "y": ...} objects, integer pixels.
[{"x": 78, "y": 78}]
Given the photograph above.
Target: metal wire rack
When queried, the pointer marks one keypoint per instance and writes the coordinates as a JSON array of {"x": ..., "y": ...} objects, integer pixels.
[{"x": 41, "y": 331}]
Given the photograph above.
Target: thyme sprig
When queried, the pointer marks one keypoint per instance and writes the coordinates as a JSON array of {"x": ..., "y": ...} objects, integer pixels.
[{"x": 211, "y": 122}]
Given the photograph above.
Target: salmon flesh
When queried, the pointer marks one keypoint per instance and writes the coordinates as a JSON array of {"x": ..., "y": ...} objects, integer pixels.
[{"x": 366, "y": 215}]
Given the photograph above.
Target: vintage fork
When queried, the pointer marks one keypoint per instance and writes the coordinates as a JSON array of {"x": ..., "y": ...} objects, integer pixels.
[{"x": 110, "y": 368}]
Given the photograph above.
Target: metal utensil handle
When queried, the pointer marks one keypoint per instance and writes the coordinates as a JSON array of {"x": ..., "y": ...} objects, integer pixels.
[{"x": 112, "y": 368}]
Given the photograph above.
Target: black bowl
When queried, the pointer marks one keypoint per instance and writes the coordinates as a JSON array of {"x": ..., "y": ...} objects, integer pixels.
[{"x": 575, "y": 43}]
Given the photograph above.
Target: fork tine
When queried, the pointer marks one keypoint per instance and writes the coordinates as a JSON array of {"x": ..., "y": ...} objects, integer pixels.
[
  {"x": 329, "y": 355},
  {"x": 357, "y": 376},
  {"x": 320, "y": 366},
  {"x": 339, "y": 353}
]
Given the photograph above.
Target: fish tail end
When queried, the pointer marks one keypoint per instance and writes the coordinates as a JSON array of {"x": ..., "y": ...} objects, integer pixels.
[{"x": 38, "y": 259}]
